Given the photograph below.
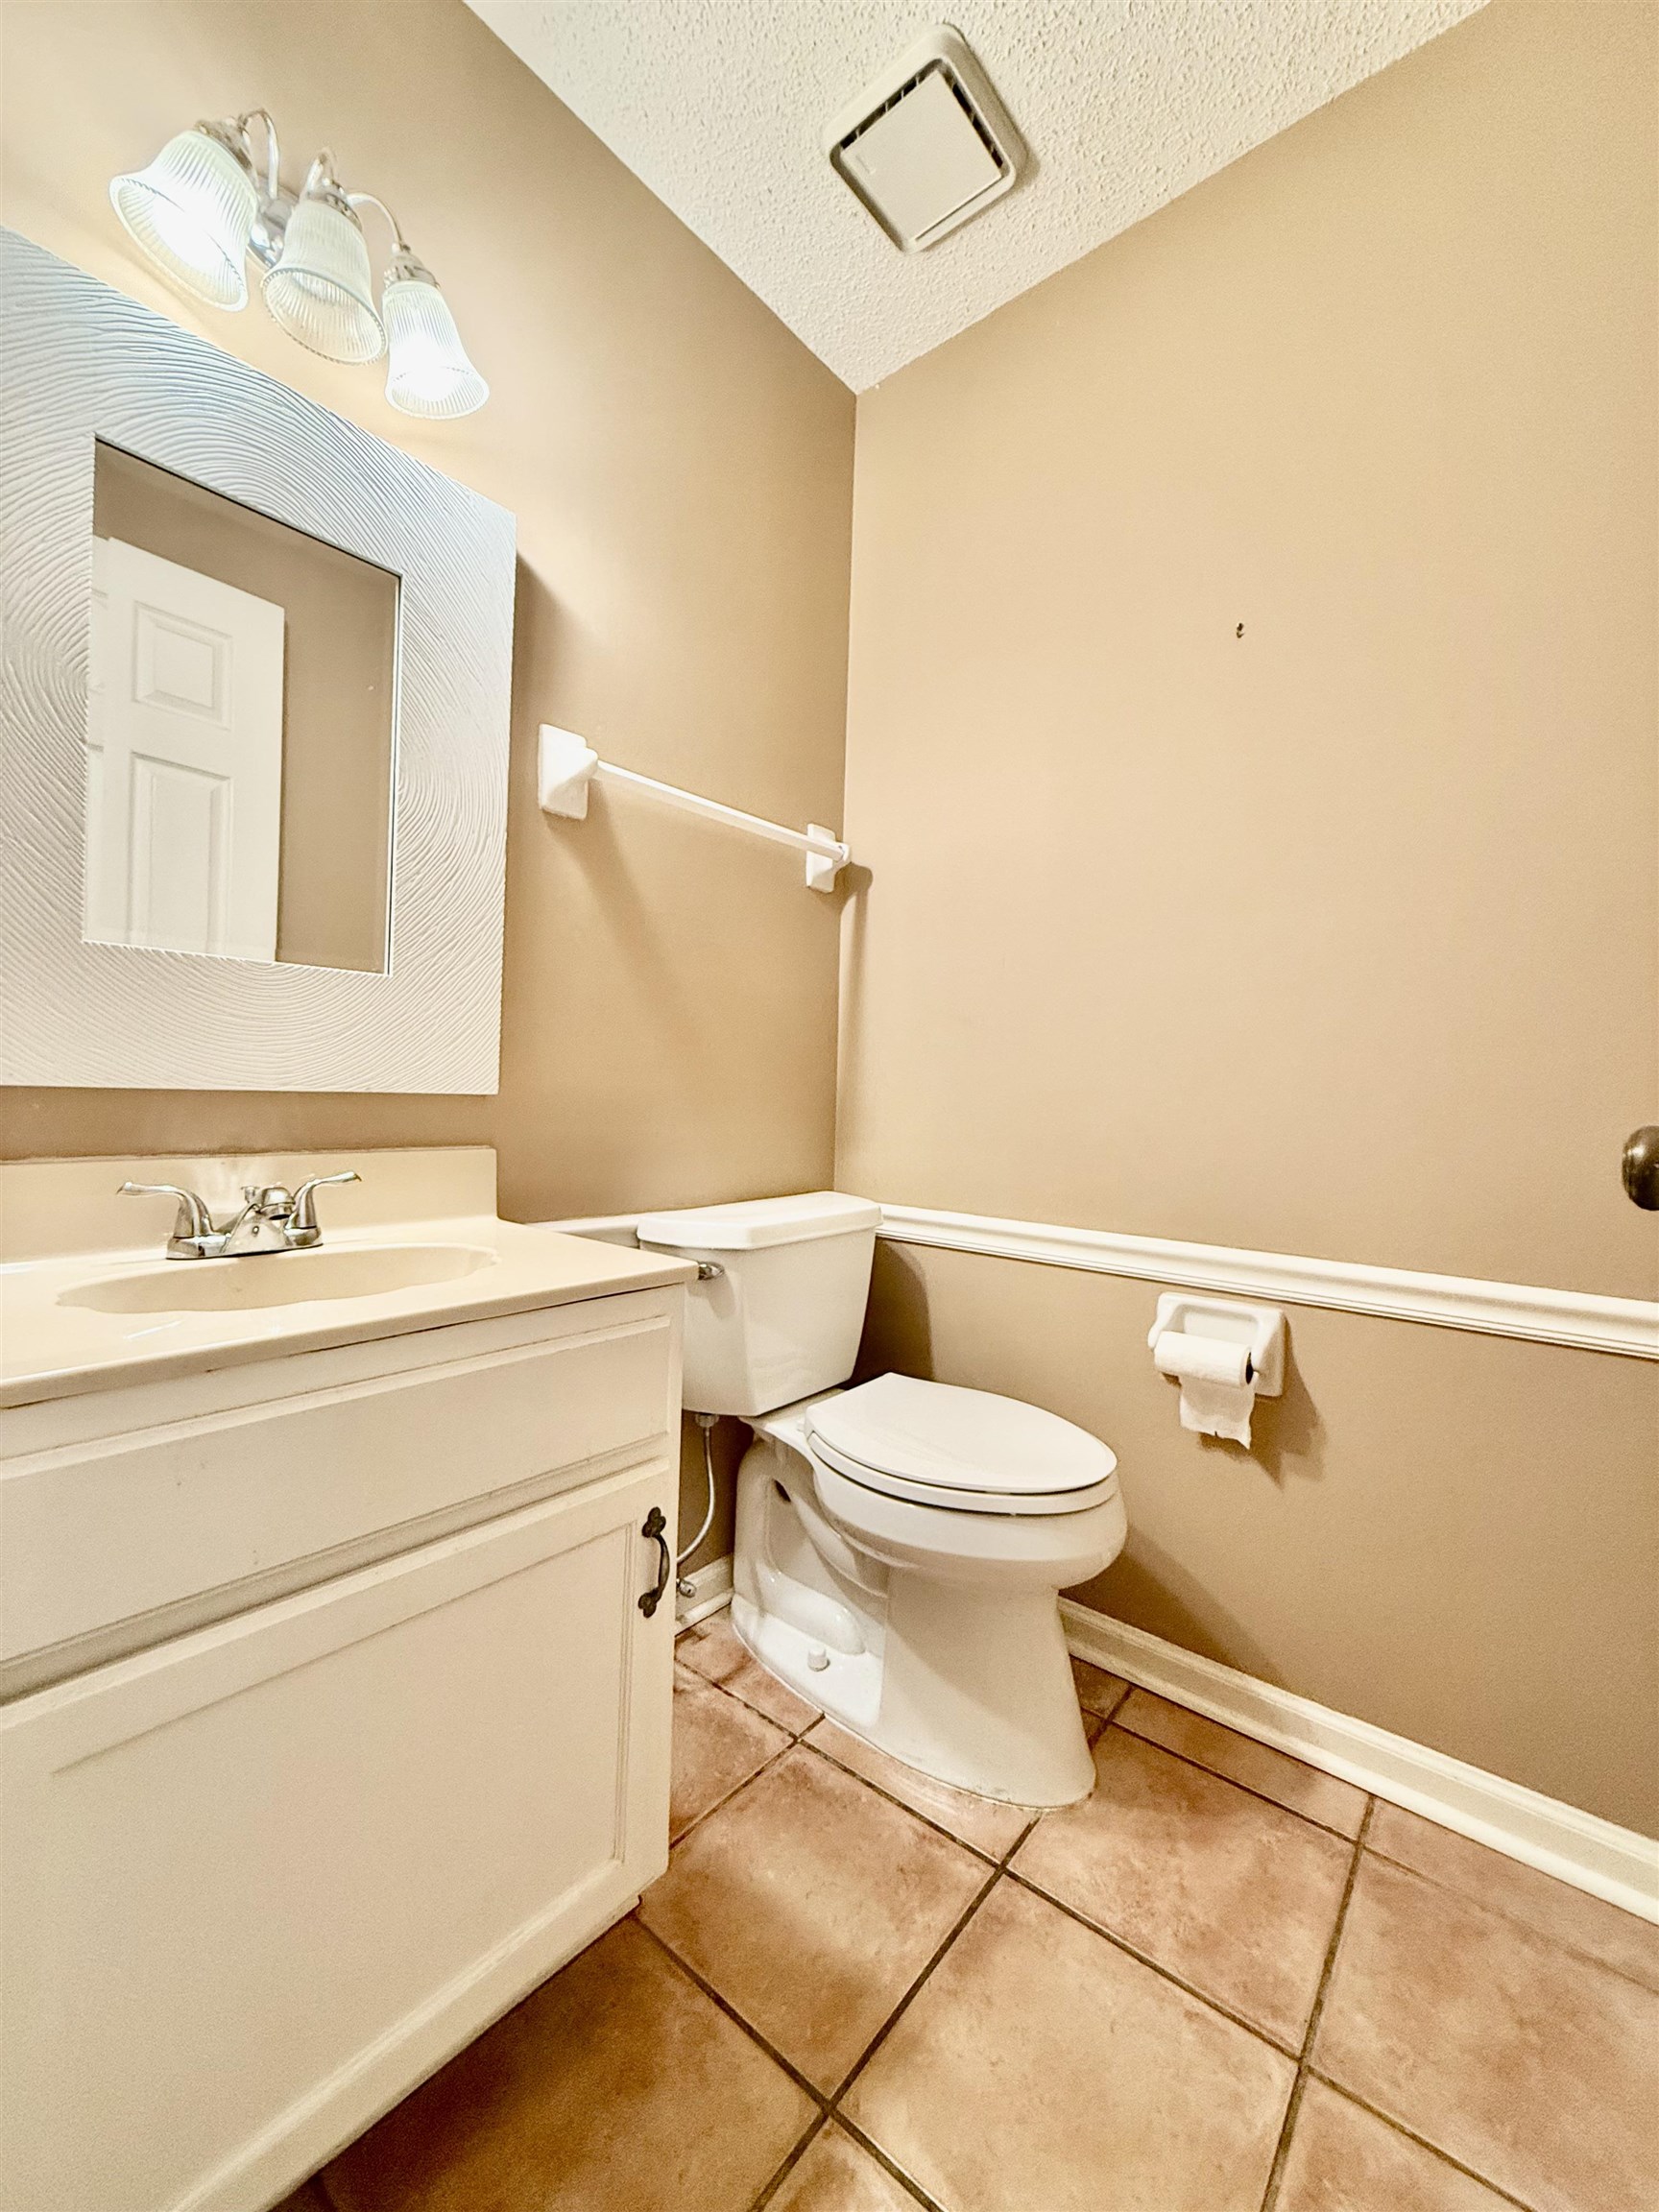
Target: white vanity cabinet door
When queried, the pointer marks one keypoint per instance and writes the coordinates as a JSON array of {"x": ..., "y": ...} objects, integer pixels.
[{"x": 256, "y": 1882}]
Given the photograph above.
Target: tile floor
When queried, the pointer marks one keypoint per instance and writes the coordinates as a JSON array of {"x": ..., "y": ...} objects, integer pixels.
[{"x": 1223, "y": 1983}]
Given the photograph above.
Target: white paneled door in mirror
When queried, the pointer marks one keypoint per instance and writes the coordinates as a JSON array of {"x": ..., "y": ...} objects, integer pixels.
[
  {"x": 183, "y": 759},
  {"x": 253, "y": 750}
]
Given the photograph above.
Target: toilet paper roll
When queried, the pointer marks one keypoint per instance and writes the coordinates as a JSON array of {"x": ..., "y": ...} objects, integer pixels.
[
  {"x": 1201, "y": 1359},
  {"x": 1216, "y": 1398}
]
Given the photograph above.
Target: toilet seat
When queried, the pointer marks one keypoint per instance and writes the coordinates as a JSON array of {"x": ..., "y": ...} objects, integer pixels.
[{"x": 959, "y": 1451}]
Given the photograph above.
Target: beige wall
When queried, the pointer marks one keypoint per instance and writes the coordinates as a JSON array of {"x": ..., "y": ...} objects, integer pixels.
[
  {"x": 1339, "y": 937},
  {"x": 680, "y": 470},
  {"x": 680, "y": 467},
  {"x": 339, "y": 646},
  {"x": 1334, "y": 938}
]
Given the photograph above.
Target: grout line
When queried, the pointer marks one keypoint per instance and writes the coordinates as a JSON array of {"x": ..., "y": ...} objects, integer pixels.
[
  {"x": 1141, "y": 1958},
  {"x": 1399, "y": 2128},
  {"x": 749, "y": 1706},
  {"x": 1008, "y": 1855},
  {"x": 1282, "y": 2149},
  {"x": 1331, "y": 1949},
  {"x": 949, "y": 1834},
  {"x": 737, "y": 1790},
  {"x": 1293, "y": 2106},
  {"x": 1118, "y": 1704},
  {"x": 993, "y": 1877},
  {"x": 733, "y": 2015},
  {"x": 868, "y": 2144},
  {"x": 790, "y": 2162},
  {"x": 1515, "y": 1919},
  {"x": 1261, "y": 1795}
]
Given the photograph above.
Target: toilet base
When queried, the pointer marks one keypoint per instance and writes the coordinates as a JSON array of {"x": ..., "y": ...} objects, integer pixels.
[
  {"x": 971, "y": 1686},
  {"x": 848, "y": 1689}
]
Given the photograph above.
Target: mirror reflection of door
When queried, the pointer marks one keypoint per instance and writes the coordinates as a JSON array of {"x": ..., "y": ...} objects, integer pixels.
[
  {"x": 183, "y": 759},
  {"x": 241, "y": 729}
]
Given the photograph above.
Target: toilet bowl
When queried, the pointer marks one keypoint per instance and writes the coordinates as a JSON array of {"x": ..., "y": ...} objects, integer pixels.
[{"x": 900, "y": 1544}]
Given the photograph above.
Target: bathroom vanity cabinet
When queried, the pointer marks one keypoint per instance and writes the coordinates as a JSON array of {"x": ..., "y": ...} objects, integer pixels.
[{"x": 335, "y": 1724}]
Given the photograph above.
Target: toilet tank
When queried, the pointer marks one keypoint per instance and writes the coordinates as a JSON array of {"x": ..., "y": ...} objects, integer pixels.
[{"x": 782, "y": 1316}]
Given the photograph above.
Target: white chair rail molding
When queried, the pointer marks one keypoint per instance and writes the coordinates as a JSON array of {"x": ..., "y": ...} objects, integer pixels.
[{"x": 1628, "y": 1326}]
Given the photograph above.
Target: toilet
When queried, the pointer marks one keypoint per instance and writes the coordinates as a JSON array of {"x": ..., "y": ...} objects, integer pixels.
[{"x": 900, "y": 1546}]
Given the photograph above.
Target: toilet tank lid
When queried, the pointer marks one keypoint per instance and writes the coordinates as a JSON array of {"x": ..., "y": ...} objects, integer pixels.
[{"x": 752, "y": 1222}]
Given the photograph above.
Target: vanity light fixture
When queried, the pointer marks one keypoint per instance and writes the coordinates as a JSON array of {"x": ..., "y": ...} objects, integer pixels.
[{"x": 203, "y": 205}]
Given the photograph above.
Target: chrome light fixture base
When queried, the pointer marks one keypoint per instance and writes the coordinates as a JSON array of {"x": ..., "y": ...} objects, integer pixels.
[{"x": 271, "y": 225}]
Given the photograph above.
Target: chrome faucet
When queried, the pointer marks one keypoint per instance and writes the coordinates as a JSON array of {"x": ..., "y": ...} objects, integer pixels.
[{"x": 273, "y": 1218}]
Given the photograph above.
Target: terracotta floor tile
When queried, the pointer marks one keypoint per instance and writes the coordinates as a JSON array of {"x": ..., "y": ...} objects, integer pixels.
[
  {"x": 718, "y": 1743},
  {"x": 1040, "y": 2069},
  {"x": 1344, "y": 2160},
  {"x": 1234, "y": 1895},
  {"x": 713, "y": 1650},
  {"x": 615, "y": 2085},
  {"x": 1098, "y": 1691},
  {"x": 811, "y": 1903},
  {"x": 1549, "y": 1908},
  {"x": 837, "y": 2174},
  {"x": 989, "y": 1826},
  {"x": 1533, "y": 2066},
  {"x": 1299, "y": 1789}
]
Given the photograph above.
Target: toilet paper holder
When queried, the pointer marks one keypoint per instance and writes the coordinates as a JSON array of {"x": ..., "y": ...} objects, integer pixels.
[{"x": 1234, "y": 1322}]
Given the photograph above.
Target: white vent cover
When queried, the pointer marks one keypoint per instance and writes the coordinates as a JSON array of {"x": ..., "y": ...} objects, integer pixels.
[{"x": 928, "y": 144}]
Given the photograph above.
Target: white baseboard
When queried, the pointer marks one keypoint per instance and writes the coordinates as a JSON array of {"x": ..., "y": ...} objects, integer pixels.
[
  {"x": 714, "y": 1587},
  {"x": 1591, "y": 1854},
  {"x": 1576, "y": 1847}
]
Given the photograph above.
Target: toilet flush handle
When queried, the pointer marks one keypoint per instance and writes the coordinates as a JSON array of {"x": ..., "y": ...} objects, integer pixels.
[{"x": 708, "y": 1270}]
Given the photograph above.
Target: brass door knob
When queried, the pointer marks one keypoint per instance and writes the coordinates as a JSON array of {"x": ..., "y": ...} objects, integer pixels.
[{"x": 1641, "y": 1166}]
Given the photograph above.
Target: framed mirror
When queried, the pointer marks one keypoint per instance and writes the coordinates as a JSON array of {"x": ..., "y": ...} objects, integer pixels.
[{"x": 253, "y": 770}]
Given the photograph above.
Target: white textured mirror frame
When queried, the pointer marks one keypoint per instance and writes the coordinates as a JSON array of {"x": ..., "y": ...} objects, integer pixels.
[{"x": 78, "y": 363}]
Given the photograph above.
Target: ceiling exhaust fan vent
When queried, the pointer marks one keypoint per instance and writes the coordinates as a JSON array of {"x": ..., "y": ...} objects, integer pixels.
[{"x": 928, "y": 144}]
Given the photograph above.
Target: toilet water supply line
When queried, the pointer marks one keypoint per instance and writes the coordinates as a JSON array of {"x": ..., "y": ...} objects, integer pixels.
[{"x": 706, "y": 1422}]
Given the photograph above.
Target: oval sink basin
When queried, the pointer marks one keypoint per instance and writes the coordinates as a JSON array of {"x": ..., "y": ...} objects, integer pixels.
[{"x": 278, "y": 1279}]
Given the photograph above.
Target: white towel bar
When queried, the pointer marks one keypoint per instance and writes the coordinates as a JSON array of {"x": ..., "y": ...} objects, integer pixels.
[{"x": 568, "y": 765}]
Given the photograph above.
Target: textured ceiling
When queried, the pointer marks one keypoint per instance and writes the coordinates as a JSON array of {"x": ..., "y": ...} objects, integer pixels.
[{"x": 718, "y": 107}]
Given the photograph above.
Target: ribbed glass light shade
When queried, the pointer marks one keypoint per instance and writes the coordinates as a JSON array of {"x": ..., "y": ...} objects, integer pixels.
[
  {"x": 320, "y": 290},
  {"x": 192, "y": 211},
  {"x": 428, "y": 371}
]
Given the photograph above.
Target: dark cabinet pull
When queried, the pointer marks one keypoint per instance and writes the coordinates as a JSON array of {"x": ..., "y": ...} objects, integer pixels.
[{"x": 655, "y": 1525}]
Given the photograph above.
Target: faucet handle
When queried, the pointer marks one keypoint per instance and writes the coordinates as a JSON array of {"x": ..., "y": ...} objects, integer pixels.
[
  {"x": 303, "y": 1227},
  {"x": 192, "y": 1225}
]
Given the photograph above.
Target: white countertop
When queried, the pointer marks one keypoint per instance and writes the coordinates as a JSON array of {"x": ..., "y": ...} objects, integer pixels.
[{"x": 52, "y": 1348}]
